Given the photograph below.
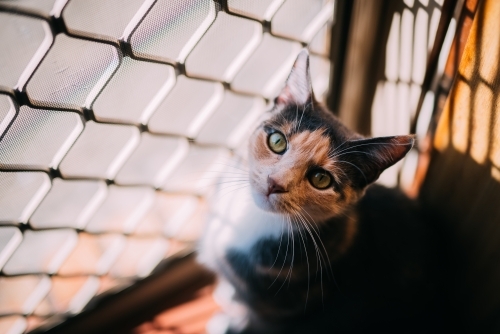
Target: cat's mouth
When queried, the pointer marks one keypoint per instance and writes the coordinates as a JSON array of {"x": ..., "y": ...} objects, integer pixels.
[
  {"x": 267, "y": 200},
  {"x": 270, "y": 193}
]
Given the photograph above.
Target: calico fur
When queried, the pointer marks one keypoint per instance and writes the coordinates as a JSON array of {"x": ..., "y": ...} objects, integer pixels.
[{"x": 351, "y": 258}]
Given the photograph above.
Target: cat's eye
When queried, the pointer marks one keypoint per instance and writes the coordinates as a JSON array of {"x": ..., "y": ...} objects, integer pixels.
[
  {"x": 320, "y": 179},
  {"x": 277, "y": 142}
]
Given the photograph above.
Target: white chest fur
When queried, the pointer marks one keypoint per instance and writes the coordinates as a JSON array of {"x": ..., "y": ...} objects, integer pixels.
[{"x": 236, "y": 223}]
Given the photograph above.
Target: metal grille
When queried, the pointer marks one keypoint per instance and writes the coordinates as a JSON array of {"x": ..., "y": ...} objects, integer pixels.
[
  {"x": 112, "y": 116},
  {"x": 411, "y": 38}
]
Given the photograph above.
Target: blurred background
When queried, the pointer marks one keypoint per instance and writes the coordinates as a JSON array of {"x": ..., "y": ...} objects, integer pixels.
[{"x": 117, "y": 115}]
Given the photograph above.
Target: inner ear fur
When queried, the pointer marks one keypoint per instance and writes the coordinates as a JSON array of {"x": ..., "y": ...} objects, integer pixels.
[
  {"x": 298, "y": 87},
  {"x": 366, "y": 159}
]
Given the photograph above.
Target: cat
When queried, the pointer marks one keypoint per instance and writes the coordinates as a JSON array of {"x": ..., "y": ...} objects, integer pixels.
[{"x": 306, "y": 243}]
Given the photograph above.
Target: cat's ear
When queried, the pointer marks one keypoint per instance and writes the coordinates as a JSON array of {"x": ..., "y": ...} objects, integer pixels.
[
  {"x": 364, "y": 160},
  {"x": 298, "y": 88}
]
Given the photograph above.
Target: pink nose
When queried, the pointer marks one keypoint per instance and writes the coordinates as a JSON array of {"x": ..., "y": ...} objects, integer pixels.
[{"x": 273, "y": 187}]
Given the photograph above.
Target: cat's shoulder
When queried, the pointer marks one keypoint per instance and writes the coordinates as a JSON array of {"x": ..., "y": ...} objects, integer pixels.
[
  {"x": 396, "y": 229},
  {"x": 377, "y": 195},
  {"x": 385, "y": 206}
]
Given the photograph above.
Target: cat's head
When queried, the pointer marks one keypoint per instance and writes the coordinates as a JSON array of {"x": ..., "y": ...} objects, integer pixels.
[{"x": 302, "y": 159}]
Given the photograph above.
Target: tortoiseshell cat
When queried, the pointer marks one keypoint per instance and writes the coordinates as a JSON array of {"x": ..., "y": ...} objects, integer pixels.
[{"x": 310, "y": 246}]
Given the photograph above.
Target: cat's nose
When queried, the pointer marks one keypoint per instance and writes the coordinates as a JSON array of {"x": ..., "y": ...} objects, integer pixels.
[{"x": 273, "y": 187}]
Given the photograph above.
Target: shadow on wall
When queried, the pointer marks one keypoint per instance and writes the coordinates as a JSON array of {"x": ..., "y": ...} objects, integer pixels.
[{"x": 463, "y": 180}]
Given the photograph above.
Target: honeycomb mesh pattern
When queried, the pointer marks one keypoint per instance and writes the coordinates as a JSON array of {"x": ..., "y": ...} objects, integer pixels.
[
  {"x": 130, "y": 97},
  {"x": 171, "y": 29},
  {"x": 68, "y": 76},
  {"x": 38, "y": 139},
  {"x": 91, "y": 17},
  {"x": 23, "y": 39}
]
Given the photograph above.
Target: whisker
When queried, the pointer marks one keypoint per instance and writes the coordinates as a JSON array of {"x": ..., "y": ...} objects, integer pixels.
[
  {"x": 233, "y": 190},
  {"x": 226, "y": 172},
  {"x": 338, "y": 147},
  {"x": 367, "y": 144},
  {"x": 319, "y": 260},
  {"x": 324, "y": 250},
  {"x": 293, "y": 254},
  {"x": 349, "y": 163},
  {"x": 232, "y": 183},
  {"x": 284, "y": 260},
  {"x": 230, "y": 178},
  {"x": 290, "y": 269},
  {"x": 231, "y": 166},
  {"x": 279, "y": 247},
  {"x": 215, "y": 184},
  {"x": 308, "y": 274},
  {"x": 296, "y": 116},
  {"x": 349, "y": 152},
  {"x": 301, "y": 116}
]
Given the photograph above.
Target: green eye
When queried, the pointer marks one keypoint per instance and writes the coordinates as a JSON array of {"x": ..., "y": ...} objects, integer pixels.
[
  {"x": 277, "y": 142},
  {"x": 320, "y": 179}
]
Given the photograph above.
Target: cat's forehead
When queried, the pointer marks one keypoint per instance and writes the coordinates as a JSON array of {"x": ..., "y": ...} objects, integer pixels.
[
  {"x": 294, "y": 118},
  {"x": 309, "y": 117},
  {"x": 310, "y": 146}
]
